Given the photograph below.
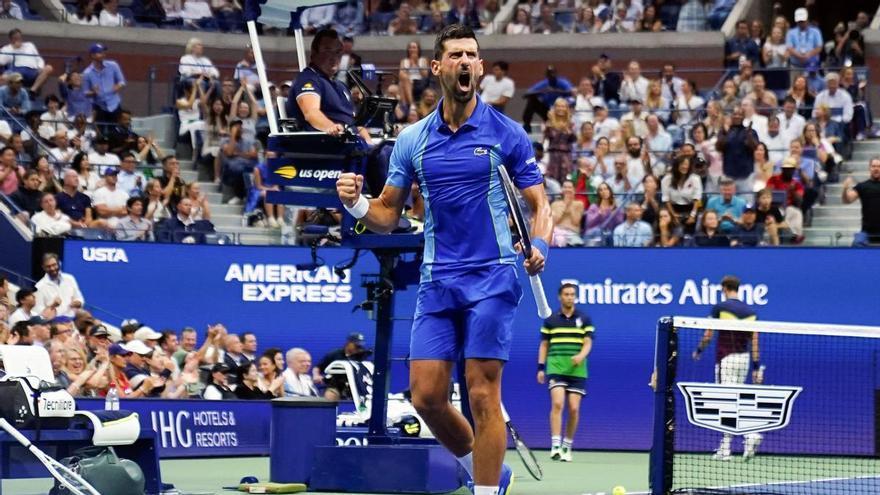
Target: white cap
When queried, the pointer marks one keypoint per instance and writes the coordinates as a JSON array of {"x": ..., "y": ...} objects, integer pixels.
[
  {"x": 146, "y": 333},
  {"x": 137, "y": 347},
  {"x": 801, "y": 15}
]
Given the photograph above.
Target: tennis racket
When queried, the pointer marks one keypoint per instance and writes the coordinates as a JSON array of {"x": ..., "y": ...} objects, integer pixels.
[
  {"x": 525, "y": 454},
  {"x": 525, "y": 241},
  {"x": 70, "y": 480}
]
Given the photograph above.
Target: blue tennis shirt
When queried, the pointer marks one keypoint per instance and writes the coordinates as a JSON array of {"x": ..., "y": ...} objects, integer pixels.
[{"x": 457, "y": 173}]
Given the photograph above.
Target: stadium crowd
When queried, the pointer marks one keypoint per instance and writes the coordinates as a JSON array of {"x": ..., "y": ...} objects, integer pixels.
[
  {"x": 777, "y": 126},
  {"x": 89, "y": 356}
]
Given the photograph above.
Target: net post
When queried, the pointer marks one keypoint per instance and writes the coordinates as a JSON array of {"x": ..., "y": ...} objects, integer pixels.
[{"x": 663, "y": 443}]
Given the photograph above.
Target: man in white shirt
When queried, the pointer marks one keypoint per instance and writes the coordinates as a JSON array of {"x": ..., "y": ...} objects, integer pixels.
[
  {"x": 604, "y": 126},
  {"x": 101, "y": 158},
  {"x": 50, "y": 222},
  {"x": 791, "y": 123},
  {"x": 839, "y": 101},
  {"x": 297, "y": 377},
  {"x": 635, "y": 118},
  {"x": 22, "y": 57},
  {"x": 659, "y": 144},
  {"x": 10, "y": 10},
  {"x": 497, "y": 89},
  {"x": 110, "y": 16},
  {"x": 61, "y": 153},
  {"x": 776, "y": 141},
  {"x": 585, "y": 99},
  {"x": 195, "y": 63},
  {"x": 670, "y": 84},
  {"x": 59, "y": 287},
  {"x": 54, "y": 119},
  {"x": 634, "y": 85},
  {"x": 751, "y": 118},
  {"x": 110, "y": 201}
]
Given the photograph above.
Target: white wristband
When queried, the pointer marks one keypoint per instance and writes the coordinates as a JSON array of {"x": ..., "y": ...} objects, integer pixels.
[{"x": 360, "y": 208}]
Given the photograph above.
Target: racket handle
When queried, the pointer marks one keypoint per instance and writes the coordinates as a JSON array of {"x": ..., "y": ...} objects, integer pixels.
[{"x": 544, "y": 310}]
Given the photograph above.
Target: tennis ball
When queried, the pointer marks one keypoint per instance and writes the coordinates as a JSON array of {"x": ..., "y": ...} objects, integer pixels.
[{"x": 618, "y": 490}]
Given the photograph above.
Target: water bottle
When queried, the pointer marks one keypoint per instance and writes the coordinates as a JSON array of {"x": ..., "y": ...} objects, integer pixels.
[{"x": 111, "y": 402}]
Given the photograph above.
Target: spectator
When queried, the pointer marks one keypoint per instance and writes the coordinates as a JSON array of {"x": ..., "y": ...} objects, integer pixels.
[
  {"x": 85, "y": 13},
  {"x": 804, "y": 42},
  {"x": 822, "y": 151},
  {"x": 63, "y": 150},
  {"x": 605, "y": 126},
  {"x": 109, "y": 200},
  {"x": 58, "y": 287},
  {"x": 182, "y": 224},
  {"x": 22, "y": 57},
  {"x": 606, "y": 82},
  {"x": 743, "y": 78},
  {"x": 297, "y": 378},
  {"x": 73, "y": 203},
  {"x": 740, "y": 47},
  {"x": 10, "y": 171},
  {"x": 103, "y": 82},
  {"x": 785, "y": 181},
  {"x": 201, "y": 209},
  {"x": 26, "y": 300},
  {"x": 829, "y": 129},
  {"x": 658, "y": 143},
  {"x": 791, "y": 123},
  {"x": 122, "y": 137},
  {"x": 670, "y": 84},
  {"x": 586, "y": 140},
  {"x": 633, "y": 232},
  {"x": 692, "y": 17},
  {"x": 737, "y": 145},
  {"x": 586, "y": 21},
  {"x": 270, "y": 378},
  {"x": 650, "y": 199},
  {"x": 764, "y": 99},
  {"x": 729, "y": 96},
  {"x": 10, "y": 10},
  {"x": 620, "y": 182},
  {"x": 585, "y": 182},
  {"x": 13, "y": 97},
  {"x": 546, "y": 22},
  {"x": 708, "y": 234},
  {"x": 238, "y": 157},
  {"x": 763, "y": 164},
  {"x": 558, "y": 139},
  {"x": 149, "y": 12},
  {"x": 634, "y": 85},
  {"x": 157, "y": 207},
  {"x": 403, "y": 23},
  {"x": 233, "y": 358},
  {"x": 110, "y": 16},
  {"x": 568, "y": 214},
  {"x": 604, "y": 158},
  {"x": 602, "y": 217},
  {"x": 804, "y": 99},
  {"x": 428, "y": 103},
  {"x": 134, "y": 227},
  {"x": 775, "y": 140},
  {"x": 847, "y": 49},
  {"x": 195, "y": 65},
  {"x": 727, "y": 205},
  {"x": 349, "y": 18},
  {"x": 584, "y": 102},
  {"x": 246, "y": 111},
  {"x": 28, "y": 195},
  {"x": 748, "y": 232},
  {"x": 218, "y": 388},
  {"x": 809, "y": 173},
  {"x": 414, "y": 74},
  {"x": 101, "y": 157},
  {"x": 688, "y": 106},
  {"x": 353, "y": 350},
  {"x": 89, "y": 180},
  {"x": 543, "y": 94},
  {"x": 862, "y": 122},
  {"x": 650, "y": 23},
  {"x": 669, "y": 231},
  {"x": 638, "y": 162},
  {"x": 839, "y": 101},
  {"x": 248, "y": 380},
  {"x": 682, "y": 192},
  {"x": 619, "y": 22},
  {"x": 314, "y": 19},
  {"x": 48, "y": 182},
  {"x": 520, "y": 23},
  {"x": 173, "y": 187},
  {"x": 50, "y": 222},
  {"x": 868, "y": 192},
  {"x": 464, "y": 12},
  {"x": 228, "y": 14},
  {"x": 774, "y": 54},
  {"x": 129, "y": 178},
  {"x": 497, "y": 89},
  {"x": 274, "y": 213},
  {"x": 53, "y": 119}
]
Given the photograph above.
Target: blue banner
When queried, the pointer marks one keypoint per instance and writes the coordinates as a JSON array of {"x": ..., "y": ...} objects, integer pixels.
[{"x": 625, "y": 291}]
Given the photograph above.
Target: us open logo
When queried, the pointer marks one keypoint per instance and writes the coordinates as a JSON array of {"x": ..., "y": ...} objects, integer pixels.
[{"x": 738, "y": 409}]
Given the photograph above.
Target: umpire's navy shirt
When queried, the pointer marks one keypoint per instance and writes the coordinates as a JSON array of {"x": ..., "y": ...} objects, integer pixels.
[{"x": 335, "y": 98}]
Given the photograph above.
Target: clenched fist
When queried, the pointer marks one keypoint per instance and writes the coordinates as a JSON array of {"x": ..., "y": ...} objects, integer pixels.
[{"x": 349, "y": 186}]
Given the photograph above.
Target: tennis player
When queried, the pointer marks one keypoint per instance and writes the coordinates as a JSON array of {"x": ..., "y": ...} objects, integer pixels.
[
  {"x": 732, "y": 357},
  {"x": 469, "y": 292}
]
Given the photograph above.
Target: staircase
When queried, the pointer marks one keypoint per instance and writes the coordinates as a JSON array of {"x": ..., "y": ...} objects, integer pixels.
[
  {"x": 834, "y": 223},
  {"x": 227, "y": 218}
]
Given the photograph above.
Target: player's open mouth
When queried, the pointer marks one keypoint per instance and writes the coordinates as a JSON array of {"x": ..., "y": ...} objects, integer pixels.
[{"x": 464, "y": 81}]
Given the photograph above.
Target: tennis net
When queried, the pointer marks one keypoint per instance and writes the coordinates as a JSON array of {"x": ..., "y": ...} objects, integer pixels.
[{"x": 798, "y": 415}]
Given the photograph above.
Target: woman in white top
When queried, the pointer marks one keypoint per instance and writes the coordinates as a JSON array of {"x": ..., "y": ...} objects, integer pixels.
[
  {"x": 688, "y": 105},
  {"x": 682, "y": 191},
  {"x": 585, "y": 100},
  {"x": 89, "y": 181},
  {"x": 195, "y": 63},
  {"x": 189, "y": 109},
  {"x": 157, "y": 206},
  {"x": 110, "y": 16},
  {"x": 520, "y": 23},
  {"x": 775, "y": 52},
  {"x": 85, "y": 13},
  {"x": 413, "y": 74},
  {"x": 201, "y": 210}
]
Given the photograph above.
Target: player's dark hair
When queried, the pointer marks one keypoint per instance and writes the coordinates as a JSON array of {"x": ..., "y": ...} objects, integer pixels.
[
  {"x": 452, "y": 32},
  {"x": 730, "y": 283},
  {"x": 320, "y": 36},
  {"x": 567, "y": 285}
]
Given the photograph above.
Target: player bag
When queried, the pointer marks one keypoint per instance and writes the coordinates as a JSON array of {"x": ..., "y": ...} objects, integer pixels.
[{"x": 106, "y": 472}]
